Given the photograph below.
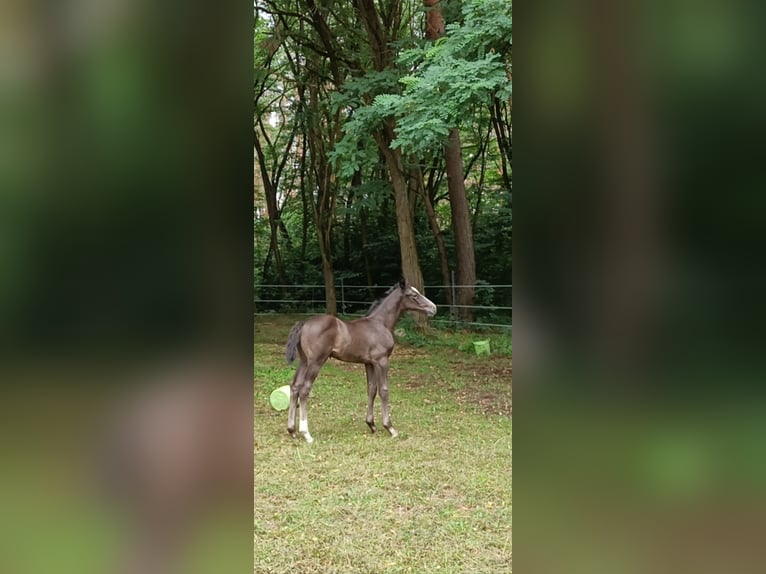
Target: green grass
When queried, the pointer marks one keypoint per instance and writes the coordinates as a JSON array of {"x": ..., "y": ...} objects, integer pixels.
[{"x": 436, "y": 499}]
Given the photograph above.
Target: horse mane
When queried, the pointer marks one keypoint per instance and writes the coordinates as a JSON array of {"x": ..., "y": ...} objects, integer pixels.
[{"x": 377, "y": 303}]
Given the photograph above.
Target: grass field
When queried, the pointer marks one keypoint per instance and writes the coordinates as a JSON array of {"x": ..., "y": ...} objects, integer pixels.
[{"x": 436, "y": 499}]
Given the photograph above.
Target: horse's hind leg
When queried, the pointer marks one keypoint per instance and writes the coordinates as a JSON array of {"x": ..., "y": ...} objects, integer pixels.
[
  {"x": 294, "y": 387},
  {"x": 372, "y": 390},
  {"x": 312, "y": 370}
]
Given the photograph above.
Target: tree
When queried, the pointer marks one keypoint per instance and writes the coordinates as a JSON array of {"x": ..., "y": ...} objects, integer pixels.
[
  {"x": 271, "y": 151},
  {"x": 465, "y": 69},
  {"x": 461, "y": 219},
  {"x": 314, "y": 56},
  {"x": 382, "y": 31},
  {"x": 372, "y": 105}
]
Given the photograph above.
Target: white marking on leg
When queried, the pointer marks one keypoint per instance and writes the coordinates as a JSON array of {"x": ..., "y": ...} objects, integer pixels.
[{"x": 303, "y": 428}]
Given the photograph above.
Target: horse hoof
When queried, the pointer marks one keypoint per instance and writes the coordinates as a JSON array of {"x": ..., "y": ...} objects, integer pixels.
[
  {"x": 394, "y": 432},
  {"x": 372, "y": 427},
  {"x": 292, "y": 433}
]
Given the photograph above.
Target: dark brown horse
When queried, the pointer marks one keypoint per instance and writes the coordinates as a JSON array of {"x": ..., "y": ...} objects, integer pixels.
[{"x": 367, "y": 340}]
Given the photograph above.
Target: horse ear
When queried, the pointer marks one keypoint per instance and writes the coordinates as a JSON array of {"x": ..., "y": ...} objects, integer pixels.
[{"x": 402, "y": 284}]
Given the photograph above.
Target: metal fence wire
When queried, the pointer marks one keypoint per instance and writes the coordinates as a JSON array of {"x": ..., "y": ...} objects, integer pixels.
[{"x": 492, "y": 306}]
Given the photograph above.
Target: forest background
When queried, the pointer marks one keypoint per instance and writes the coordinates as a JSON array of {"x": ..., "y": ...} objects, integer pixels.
[{"x": 383, "y": 146}]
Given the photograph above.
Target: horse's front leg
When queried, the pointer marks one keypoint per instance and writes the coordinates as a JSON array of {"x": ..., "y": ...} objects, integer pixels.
[
  {"x": 372, "y": 390},
  {"x": 382, "y": 372}
]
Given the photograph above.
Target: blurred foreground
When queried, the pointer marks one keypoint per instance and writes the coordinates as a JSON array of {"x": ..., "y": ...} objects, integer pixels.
[
  {"x": 125, "y": 287},
  {"x": 154, "y": 477},
  {"x": 638, "y": 320}
]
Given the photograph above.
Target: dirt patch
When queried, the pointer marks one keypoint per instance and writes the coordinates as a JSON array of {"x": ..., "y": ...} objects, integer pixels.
[
  {"x": 401, "y": 351},
  {"x": 489, "y": 402},
  {"x": 493, "y": 367},
  {"x": 483, "y": 382},
  {"x": 488, "y": 384},
  {"x": 501, "y": 369}
]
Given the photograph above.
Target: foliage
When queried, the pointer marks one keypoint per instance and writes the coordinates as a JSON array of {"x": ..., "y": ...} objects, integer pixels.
[
  {"x": 449, "y": 80},
  {"x": 429, "y": 88}
]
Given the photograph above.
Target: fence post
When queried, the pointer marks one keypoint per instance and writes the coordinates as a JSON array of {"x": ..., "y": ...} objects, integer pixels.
[
  {"x": 454, "y": 301},
  {"x": 342, "y": 297}
]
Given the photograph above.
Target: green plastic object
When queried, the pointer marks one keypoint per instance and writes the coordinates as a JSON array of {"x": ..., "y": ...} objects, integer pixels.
[
  {"x": 481, "y": 347},
  {"x": 280, "y": 398}
]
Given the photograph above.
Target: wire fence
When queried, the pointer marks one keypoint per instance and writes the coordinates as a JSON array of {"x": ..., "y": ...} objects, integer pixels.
[{"x": 492, "y": 306}]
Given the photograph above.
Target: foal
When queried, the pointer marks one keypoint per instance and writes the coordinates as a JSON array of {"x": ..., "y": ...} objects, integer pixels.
[{"x": 368, "y": 340}]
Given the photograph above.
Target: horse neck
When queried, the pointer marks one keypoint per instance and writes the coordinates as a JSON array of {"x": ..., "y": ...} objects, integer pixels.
[{"x": 388, "y": 311}]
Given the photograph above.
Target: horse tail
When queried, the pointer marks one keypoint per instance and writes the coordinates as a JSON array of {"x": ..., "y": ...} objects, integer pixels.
[{"x": 292, "y": 342}]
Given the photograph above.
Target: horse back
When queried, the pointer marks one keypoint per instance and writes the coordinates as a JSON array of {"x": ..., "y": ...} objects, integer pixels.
[
  {"x": 364, "y": 341},
  {"x": 318, "y": 337}
]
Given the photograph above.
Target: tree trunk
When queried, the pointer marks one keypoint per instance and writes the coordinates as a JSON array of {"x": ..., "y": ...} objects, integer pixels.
[
  {"x": 482, "y": 171},
  {"x": 461, "y": 227},
  {"x": 461, "y": 219},
  {"x": 367, "y": 268},
  {"x": 434, "y": 20},
  {"x": 441, "y": 248},
  {"x": 324, "y": 206},
  {"x": 323, "y": 220},
  {"x": 305, "y": 203},
  {"x": 273, "y": 212},
  {"x": 503, "y": 136},
  {"x": 404, "y": 220},
  {"x": 356, "y": 182},
  {"x": 328, "y": 274},
  {"x": 382, "y": 31},
  {"x": 407, "y": 247}
]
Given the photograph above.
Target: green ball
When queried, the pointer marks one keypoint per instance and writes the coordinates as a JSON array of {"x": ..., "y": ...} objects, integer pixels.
[{"x": 280, "y": 398}]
